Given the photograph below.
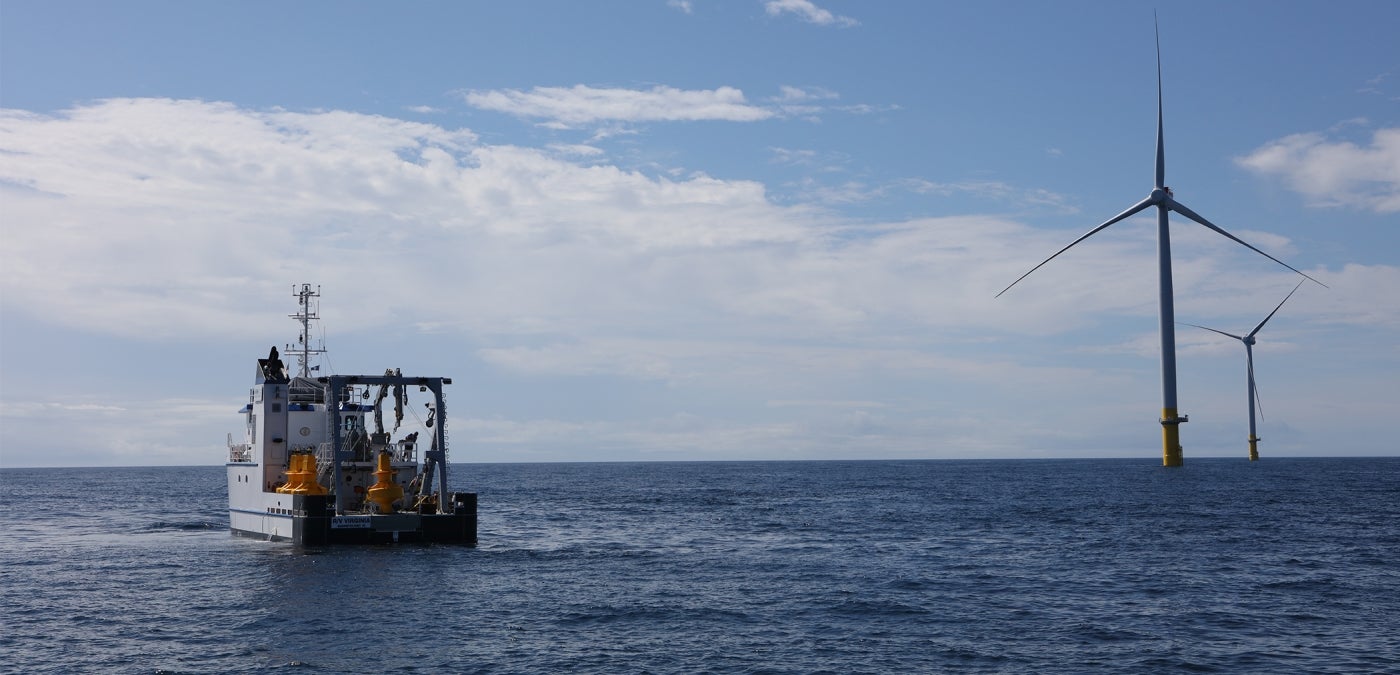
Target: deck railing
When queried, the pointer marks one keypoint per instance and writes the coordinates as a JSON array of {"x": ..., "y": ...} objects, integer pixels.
[{"x": 239, "y": 452}]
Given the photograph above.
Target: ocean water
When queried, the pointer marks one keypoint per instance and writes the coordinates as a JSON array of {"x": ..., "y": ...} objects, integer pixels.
[{"x": 1075, "y": 566}]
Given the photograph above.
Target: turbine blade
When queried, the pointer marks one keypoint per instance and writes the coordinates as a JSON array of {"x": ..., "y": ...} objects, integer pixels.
[
  {"x": 1254, "y": 388},
  {"x": 1177, "y": 206},
  {"x": 1212, "y": 330},
  {"x": 1130, "y": 211},
  {"x": 1271, "y": 314},
  {"x": 1161, "y": 175}
]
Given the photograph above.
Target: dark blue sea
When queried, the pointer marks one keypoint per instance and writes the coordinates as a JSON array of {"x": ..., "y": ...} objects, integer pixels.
[{"x": 1075, "y": 566}]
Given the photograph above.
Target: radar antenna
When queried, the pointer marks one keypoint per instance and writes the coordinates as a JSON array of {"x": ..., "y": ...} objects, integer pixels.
[{"x": 307, "y": 300}]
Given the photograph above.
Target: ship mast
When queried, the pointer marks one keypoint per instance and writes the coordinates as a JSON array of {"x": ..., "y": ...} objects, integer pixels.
[{"x": 307, "y": 300}]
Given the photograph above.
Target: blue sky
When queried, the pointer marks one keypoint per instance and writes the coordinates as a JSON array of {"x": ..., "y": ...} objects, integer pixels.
[{"x": 693, "y": 230}]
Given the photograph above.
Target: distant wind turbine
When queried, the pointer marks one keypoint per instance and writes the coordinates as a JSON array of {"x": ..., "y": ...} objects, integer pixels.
[
  {"x": 1162, "y": 198},
  {"x": 1248, "y": 340}
]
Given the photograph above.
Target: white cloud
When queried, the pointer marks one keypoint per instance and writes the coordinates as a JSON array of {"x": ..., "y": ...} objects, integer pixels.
[
  {"x": 1380, "y": 85},
  {"x": 630, "y": 358},
  {"x": 577, "y": 150},
  {"x": 138, "y": 433},
  {"x": 793, "y": 156},
  {"x": 186, "y": 222},
  {"x": 854, "y": 192},
  {"x": 136, "y": 216},
  {"x": 791, "y": 94},
  {"x": 580, "y": 104},
  {"x": 866, "y": 108},
  {"x": 157, "y": 217},
  {"x": 802, "y": 101},
  {"x": 1335, "y": 173},
  {"x": 682, "y": 5},
  {"x": 825, "y": 404},
  {"x": 151, "y": 217},
  {"x": 809, "y": 12}
]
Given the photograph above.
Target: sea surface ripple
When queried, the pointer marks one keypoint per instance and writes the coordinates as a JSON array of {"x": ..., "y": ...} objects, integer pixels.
[{"x": 1049, "y": 566}]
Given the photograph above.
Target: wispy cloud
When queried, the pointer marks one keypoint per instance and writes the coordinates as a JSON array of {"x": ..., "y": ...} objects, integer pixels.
[
  {"x": 808, "y": 102},
  {"x": 793, "y": 157},
  {"x": 682, "y": 5},
  {"x": 992, "y": 191},
  {"x": 794, "y": 95},
  {"x": 808, "y": 11},
  {"x": 577, "y": 150},
  {"x": 1380, "y": 85},
  {"x": 615, "y": 108},
  {"x": 1335, "y": 172},
  {"x": 581, "y": 104}
]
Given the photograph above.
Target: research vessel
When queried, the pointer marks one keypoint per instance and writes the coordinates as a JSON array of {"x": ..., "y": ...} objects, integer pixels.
[{"x": 317, "y": 466}]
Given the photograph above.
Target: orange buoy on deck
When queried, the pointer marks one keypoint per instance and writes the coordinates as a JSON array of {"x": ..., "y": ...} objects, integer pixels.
[
  {"x": 294, "y": 475},
  {"x": 309, "y": 485},
  {"x": 385, "y": 492}
]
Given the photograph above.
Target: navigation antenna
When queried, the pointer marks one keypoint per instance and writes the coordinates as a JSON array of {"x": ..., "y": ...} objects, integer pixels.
[{"x": 307, "y": 300}]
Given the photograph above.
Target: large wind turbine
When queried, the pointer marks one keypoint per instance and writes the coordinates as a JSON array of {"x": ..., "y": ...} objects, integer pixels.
[
  {"x": 1248, "y": 340},
  {"x": 1162, "y": 198}
]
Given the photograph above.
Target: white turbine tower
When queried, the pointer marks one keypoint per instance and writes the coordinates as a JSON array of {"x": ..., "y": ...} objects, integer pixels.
[
  {"x": 1162, "y": 198},
  {"x": 1248, "y": 340}
]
